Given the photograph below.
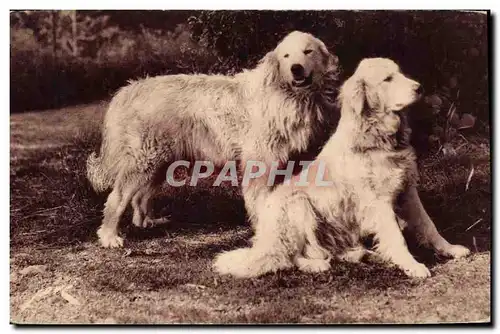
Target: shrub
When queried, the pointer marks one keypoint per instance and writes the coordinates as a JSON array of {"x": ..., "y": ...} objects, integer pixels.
[{"x": 41, "y": 80}]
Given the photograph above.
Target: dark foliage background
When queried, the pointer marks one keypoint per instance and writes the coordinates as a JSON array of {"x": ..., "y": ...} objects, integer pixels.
[{"x": 67, "y": 57}]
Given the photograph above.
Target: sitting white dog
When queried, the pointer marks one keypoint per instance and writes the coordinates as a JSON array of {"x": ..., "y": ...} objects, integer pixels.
[{"x": 306, "y": 226}]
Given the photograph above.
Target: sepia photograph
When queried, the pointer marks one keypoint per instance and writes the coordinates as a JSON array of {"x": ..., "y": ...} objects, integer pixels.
[{"x": 250, "y": 167}]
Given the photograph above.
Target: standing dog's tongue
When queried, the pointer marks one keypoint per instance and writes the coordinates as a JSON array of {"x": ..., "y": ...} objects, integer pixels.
[{"x": 306, "y": 81}]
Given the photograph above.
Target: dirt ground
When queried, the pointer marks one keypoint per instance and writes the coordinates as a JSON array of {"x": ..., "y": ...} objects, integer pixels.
[{"x": 59, "y": 274}]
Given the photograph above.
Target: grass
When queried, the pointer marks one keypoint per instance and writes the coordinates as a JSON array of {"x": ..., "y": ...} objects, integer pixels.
[{"x": 163, "y": 275}]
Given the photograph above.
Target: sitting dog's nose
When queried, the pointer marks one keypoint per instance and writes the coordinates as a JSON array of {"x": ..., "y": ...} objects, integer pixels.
[{"x": 297, "y": 70}]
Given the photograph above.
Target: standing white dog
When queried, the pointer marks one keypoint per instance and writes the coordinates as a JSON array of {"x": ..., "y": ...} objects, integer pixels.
[
  {"x": 306, "y": 225},
  {"x": 262, "y": 114}
]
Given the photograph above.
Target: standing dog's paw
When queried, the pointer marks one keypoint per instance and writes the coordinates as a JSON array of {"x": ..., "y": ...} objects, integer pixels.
[
  {"x": 108, "y": 239},
  {"x": 455, "y": 251},
  {"x": 148, "y": 222},
  {"x": 153, "y": 222},
  {"x": 137, "y": 218},
  {"x": 417, "y": 270}
]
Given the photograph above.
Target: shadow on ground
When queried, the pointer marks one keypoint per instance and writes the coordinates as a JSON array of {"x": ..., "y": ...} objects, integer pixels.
[{"x": 52, "y": 203}]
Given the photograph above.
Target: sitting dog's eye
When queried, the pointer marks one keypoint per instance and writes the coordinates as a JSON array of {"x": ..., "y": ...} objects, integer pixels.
[
  {"x": 286, "y": 56},
  {"x": 388, "y": 79},
  {"x": 308, "y": 51}
]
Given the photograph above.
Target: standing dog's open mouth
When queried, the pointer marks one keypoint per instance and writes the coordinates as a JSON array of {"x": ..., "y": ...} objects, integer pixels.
[{"x": 304, "y": 82}]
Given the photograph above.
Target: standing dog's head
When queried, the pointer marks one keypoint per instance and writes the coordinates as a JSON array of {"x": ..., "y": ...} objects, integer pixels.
[
  {"x": 299, "y": 60},
  {"x": 377, "y": 90}
]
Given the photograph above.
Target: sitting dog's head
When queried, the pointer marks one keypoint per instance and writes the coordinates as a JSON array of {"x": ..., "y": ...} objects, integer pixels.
[
  {"x": 378, "y": 90},
  {"x": 300, "y": 60}
]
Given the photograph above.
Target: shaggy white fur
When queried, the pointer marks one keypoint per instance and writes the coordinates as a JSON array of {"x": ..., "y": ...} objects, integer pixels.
[
  {"x": 307, "y": 226},
  {"x": 261, "y": 114}
]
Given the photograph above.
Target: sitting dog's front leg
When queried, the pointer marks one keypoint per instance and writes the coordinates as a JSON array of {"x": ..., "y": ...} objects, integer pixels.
[{"x": 381, "y": 220}]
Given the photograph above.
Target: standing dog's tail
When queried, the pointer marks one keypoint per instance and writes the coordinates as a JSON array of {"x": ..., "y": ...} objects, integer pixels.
[
  {"x": 103, "y": 167},
  {"x": 97, "y": 174}
]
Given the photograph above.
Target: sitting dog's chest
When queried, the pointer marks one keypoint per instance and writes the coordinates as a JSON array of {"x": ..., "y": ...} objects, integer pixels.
[{"x": 382, "y": 175}]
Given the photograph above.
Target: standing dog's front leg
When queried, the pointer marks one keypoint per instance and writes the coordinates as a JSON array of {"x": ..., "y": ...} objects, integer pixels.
[
  {"x": 420, "y": 224},
  {"x": 255, "y": 195},
  {"x": 257, "y": 164}
]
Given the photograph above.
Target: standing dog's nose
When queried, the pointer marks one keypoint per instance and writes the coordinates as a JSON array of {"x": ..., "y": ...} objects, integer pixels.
[{"x": 297, "y": 70}]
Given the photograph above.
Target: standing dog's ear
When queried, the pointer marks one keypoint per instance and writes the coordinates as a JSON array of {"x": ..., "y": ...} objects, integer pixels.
[
  {"x": 331, "y": 60},
  {"x": 353, "y": 94},
  {"x": 270, "y": 67}
]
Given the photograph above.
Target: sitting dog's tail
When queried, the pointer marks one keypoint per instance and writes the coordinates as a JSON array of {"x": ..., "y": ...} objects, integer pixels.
[{"x": 250, "y": 262}]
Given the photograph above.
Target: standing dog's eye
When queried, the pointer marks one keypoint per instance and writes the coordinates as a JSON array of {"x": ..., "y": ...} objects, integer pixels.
[
  {"x": 388, "y": 79},
  {"x": 286, "y": 56},
  {"x": 308, "y": 51}
]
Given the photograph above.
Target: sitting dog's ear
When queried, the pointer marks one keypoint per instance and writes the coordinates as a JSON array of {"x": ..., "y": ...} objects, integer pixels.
[
  {"x": 331, "y": 60},
  {"x": 270, "y": 67},
  {"x": 353, "y": 95}
]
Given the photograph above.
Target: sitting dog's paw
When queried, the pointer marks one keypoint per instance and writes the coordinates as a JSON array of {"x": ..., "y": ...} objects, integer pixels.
[
  {"x": 354, "y": 255},
  {"x": 312, "y": 265},
  {"x": 417, "y": 270},
  {"x": 108, "y": 239},
  {"x": 455, "y": 251}
]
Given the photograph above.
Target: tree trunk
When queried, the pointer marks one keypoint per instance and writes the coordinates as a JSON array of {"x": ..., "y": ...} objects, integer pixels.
[
  {"x": 54, "y": 34},
  {"x": 75, "y": 33}
]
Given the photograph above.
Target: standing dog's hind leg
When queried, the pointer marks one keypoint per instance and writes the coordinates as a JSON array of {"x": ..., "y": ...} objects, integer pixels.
[
  {"x": 143, "y": 208},
  {"x": 139, "y": 214},
  {"x": 115, "y": 205},
  {"x": 422, "y": 226},
  {"x": 147, "y": 207},
  {"x": 127, "y": 187}
]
